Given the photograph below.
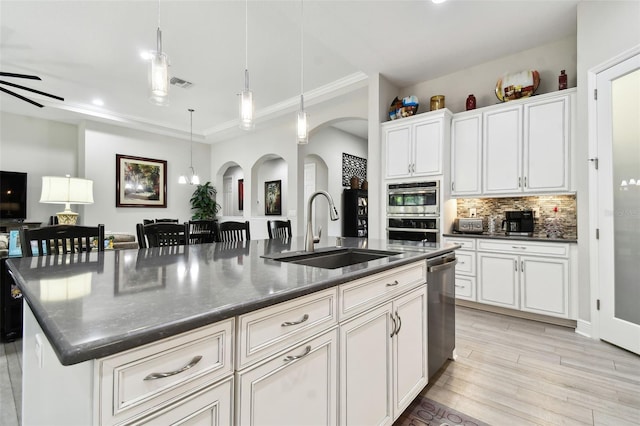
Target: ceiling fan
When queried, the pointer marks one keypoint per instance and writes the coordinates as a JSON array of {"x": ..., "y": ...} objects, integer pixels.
[{"x": 30, "y": 77}]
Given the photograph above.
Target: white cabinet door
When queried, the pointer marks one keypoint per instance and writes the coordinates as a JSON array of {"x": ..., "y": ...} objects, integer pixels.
[
  {"x": 409, "y": 348},
  {"x": 545, "y": 285},
  {"x": 502, "y": 150},
  {"x": 296, "y": 387},
  {"x": 546, "y": 145},
  {"x": 427, "y": 152},
  {"x": 366, "y": 368},
  {"x": 399, "y": 154},
  {"x": 498, "y": 276},
  {"x": 466, "y": 155}
]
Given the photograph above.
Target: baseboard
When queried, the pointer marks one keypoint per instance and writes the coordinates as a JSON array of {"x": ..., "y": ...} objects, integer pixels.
[
  {"x": 515, "y": 313},
  {"x": 584, "y": 328}
]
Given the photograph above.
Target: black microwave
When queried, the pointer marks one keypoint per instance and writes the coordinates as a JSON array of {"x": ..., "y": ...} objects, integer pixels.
[{"x": 416, "y": 198}]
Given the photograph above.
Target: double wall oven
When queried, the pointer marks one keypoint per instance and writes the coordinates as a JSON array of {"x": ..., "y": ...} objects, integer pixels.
[{"x": 413, "y": 211}]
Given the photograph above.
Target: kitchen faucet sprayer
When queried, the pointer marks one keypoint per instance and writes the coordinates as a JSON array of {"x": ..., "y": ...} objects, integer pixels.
[{"x": 333, "y": 213}]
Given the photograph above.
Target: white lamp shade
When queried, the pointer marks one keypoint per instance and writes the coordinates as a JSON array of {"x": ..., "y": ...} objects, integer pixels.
[
  {"x": 302, "y": 128},
  {"x": 66, "y": 190},
  {"x": 246, "y": 110},
  {"x": 159, "y": 79}
]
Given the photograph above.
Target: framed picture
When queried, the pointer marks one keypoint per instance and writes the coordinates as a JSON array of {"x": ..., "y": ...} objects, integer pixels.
[
  {"x": 273, "y": 198},
  {"x": 240, "y": 194},
  {"x": 140, "y": 182}
]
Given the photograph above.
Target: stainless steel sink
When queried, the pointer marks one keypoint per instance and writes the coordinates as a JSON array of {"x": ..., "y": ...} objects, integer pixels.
[{"x": 332, "y": 258}]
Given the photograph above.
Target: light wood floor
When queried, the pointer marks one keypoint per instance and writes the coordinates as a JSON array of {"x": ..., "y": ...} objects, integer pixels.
[{"x": 509, "y": 371}]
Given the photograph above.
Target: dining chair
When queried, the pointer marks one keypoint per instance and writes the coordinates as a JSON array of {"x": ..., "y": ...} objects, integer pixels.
[
  {"x": 279, "y": 228},
  {"x": 167, "y": 220},
  {"x": 60, "y": 239},
  {"x": 148, "y": 221},
  {"x": 202, "y": 231},
  {"x": 232, "y": 231},
  {"x": 162, "y": 234}
]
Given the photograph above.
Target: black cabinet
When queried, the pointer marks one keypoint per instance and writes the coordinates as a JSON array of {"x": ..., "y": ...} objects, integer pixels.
[
  {"x": 10, "y": 306},
  {"x": 355, "y": 217}
]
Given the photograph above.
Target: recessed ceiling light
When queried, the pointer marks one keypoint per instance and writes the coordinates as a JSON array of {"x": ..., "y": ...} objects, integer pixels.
[{"x": 98, "y": 102}]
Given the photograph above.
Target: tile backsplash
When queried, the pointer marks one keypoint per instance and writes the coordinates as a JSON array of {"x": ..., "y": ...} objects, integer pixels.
[{"x": 567, "y": 215}]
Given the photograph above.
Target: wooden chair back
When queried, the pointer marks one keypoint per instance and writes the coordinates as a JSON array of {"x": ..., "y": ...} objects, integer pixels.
[
  {"x": 202, "y": 231},
  {"x": 232, "y": 231},
  {"x": 167, "y": 220},
  {"x": 162, "y": 234},
  {"x": 61, "y": 239},
  {"x": 279, "y": 228}
]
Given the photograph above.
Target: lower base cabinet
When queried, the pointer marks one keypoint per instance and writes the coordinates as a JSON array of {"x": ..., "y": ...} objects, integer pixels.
[
  {"x": 383, "y": 360},
  {"x": 296, "y": 387}
]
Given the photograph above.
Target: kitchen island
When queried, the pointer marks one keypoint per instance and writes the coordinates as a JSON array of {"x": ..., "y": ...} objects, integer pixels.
[{"x": 95, "y": 322}]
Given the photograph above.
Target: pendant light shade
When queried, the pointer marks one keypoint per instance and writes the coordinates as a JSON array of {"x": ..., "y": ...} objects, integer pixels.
[
  {"x": 159, "y": 71},
  {"x": 246, "y": 96},
  {"x": 302, "y": 124},
  {"x": 193, "y": 179}
]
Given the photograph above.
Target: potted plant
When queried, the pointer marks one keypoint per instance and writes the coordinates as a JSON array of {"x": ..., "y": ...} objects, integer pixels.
[{"x": 203, "y": 202}]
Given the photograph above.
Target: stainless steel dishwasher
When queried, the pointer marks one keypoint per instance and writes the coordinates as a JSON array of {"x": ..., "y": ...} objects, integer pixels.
[{"x": 441, "y": 310}]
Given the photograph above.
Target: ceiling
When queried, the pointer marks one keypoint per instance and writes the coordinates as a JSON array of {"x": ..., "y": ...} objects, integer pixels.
[{"x": 90, "y": 49}]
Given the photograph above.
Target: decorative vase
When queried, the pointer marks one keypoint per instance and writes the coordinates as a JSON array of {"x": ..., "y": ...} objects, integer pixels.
[
  {"x": 562, "y": 81},
  {"x": 365, "y": 185},
  {"x": 355, "y": 182},
  {"x": 471, "y": 102},
  {"x": 437, "y": 102}
]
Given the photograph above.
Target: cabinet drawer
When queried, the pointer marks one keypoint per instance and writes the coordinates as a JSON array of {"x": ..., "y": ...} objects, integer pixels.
[
  {"x": 525, "y": 247},
  {"x": 465, "y": 287},
  {"x": 359, "y": 295},
  {"x": 133, "y": 383},
  {"x": 272, "y": 329},
  {"x": 466, "y": 263},
  {"x": 465, "y": 243}
]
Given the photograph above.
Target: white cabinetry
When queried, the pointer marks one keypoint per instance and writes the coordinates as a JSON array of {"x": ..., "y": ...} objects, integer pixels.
[
  {"x": 414, "y": 146},
  {"x": 514, "y": 148},
  {"x": 465, "y": 284},
  {"x": 383, "y": 359},
  {"x": 532, "y": 277},
  {"x": 526, "y": 147},
  {"x": 466, "y": 154}
]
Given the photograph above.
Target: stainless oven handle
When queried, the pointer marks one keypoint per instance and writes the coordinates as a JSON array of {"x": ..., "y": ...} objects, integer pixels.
[
  {"x": 433, "y": 231},
  {"x": 402, "y": 192}
]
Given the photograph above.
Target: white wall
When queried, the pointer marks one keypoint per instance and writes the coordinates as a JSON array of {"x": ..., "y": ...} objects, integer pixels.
[
  {"x": 39, "y": 148},
  {"x": 605, "y": 30},
  {"x": 480, "y": 80},
  {"x": 101, "y": 144}
]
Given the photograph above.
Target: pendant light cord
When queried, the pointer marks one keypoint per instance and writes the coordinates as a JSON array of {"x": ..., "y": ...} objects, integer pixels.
[
  {"x": 301, "y": 47},
  {"x": 159, "y": 33},
  {"x": 246, "y": 34},
  {"x": 191, "y": 139}
]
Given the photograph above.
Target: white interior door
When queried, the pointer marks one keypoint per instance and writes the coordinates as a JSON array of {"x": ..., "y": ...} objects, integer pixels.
[{"x": 618, "y": 202}]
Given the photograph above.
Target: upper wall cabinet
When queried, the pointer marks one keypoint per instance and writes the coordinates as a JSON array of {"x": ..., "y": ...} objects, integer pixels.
[
  {"x": 414, "y": 146},
  {"x": 513, "y": 148}
]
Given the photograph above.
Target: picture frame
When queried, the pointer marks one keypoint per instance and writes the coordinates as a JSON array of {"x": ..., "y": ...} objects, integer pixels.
[
  {"x": 240, "y": 194},
  {"x": 273, "y": 198},
  {"x": 140, "y": 182}
]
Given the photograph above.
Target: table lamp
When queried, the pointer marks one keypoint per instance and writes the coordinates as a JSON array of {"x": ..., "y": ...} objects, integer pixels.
[{"x": 67, "y": 191}]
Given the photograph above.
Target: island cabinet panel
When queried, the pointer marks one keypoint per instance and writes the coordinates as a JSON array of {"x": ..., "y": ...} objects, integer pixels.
[
  {"x": 134, "y": 383},
  {"x": 267, "y": 331},
  {"x": 362, "y": 294},
  {"x": 295, "y": 387},
  {"x": 211, "y": 406}
]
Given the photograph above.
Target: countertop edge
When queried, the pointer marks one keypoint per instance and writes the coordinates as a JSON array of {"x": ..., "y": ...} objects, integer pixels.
[{"x": 511, "y": 238}]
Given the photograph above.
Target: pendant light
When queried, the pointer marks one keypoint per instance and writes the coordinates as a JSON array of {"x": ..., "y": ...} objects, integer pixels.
[
  {"x": 302, "y": 126},
  {"x": 246, "y": 96},
  {"x": 159, "y": 71},
  {"x": 194, "y": 179}
]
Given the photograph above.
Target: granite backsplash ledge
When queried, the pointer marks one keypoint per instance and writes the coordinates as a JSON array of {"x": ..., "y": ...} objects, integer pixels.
[{"x": 567, "y": 213}]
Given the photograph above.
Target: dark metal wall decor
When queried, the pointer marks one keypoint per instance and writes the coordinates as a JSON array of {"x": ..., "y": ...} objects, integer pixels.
[{"x": 353, "y": 166}]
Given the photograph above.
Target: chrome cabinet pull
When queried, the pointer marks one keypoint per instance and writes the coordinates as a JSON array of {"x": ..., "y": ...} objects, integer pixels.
[
  {"x": 522, "y": 265},
  {"x": 393, "y": 320},
  {"x": 519, "y": 182},
  {"x": 519, "y": 247},
  {"x": 290, "y": 358},
  {"x": 525, "y": 181},
  {"x": 394, "y": 283},
  {"x": 290, "y": 323},
  {"x": 515, "y": 264},
  {"x": 154, "y": 376},
  {"x": 399, "y": 323}
]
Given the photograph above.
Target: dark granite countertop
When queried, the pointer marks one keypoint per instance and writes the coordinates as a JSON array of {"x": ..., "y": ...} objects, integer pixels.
[
  {"x": 97, "y": 304},
  {"x": 503, "y": 236}
]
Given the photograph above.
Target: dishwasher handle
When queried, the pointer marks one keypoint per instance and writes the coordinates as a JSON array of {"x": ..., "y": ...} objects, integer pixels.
[{"x": 443, "y": 266}]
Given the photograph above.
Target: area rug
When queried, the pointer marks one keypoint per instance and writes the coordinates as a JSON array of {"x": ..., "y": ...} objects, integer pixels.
[{"x": 426, "y": 412}]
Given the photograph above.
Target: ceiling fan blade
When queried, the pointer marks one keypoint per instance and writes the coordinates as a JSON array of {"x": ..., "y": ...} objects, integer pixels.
[
  {"x": 10, "y": 74},
  {"x": 31, "y": 90},
  {"x": 20, "y": 97}
]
